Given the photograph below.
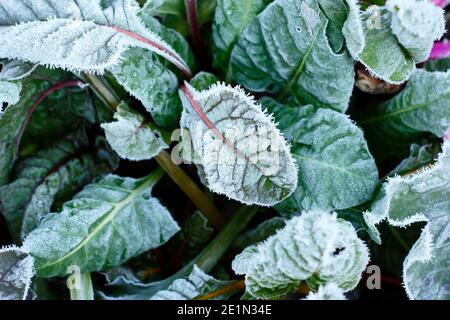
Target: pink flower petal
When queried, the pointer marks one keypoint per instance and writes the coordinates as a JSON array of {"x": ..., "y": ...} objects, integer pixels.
[
  {"x": 441, "y": 3},
  {"x": 440, "y": 50},
  {"x": 447, "y": 135}
]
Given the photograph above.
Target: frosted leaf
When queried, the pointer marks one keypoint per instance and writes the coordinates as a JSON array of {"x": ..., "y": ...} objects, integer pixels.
[
  {"x": 329, "y": 291},
  {"x": 76, "y": 35},
  {"x": 353, "y": 29},
  {"x": 230, "y": 19},
  {"x": 131, "y": 137},
  {"x": 237, "y": 147},
  {"x": 424, "y": 196},
  {"x": 113, "y": 219},
  {"x": 288, "y": 53},
  {"x": 11, "y": 70},
  {"x": 52, "y": 173},
  {"x": 421, "y": 107},
  {"x": 16, "y": 271},
  {"x": 315, "y": 247},
  {"x": 9, "y": 93},
  {"x": 335, "y": 168},
  {"x": 417, "y": 24},
  {"x": 196, "y": 284}
]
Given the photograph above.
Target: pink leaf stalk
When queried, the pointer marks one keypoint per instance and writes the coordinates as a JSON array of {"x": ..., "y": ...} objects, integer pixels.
[{"x": 447, "y": 135}]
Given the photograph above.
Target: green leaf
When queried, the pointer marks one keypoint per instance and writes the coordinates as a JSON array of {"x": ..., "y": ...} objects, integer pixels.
[
  {"x": 16, "y": 271},
  {"x": 230, "y": 19},
  {"x": 422, "y": 197},
  {"x": 53, "y": 173},
  {"x": 113, "y": 219},
  {"x": 237, "y": 148},
  {"x": 10, "y": 123},
  {"x": 74, "y": 35},
  {"x": 196, "y": 284},
  {"x": 132, "y": 137},
  {"x": 437, "y": 65},
  {"x": 147, "y": 79},
  {"x": 383, "y": 56},
  {"x": 422, "y": 107},
  {"x": 203, "y": 81},
  {"x": 316, "y": 247},
  {"x": 285, "y": 51},
  {"x": 335, "y": 168},
  {"x": 416, "y": 24}
]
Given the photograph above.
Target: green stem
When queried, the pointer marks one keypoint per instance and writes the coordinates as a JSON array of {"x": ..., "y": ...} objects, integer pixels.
[
  {"x": 104, "y": 91},
  {"x": 84, "y": 290}
]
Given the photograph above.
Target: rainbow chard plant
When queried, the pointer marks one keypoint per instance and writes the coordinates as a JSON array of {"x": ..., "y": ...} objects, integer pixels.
[{"x": 253, "y": 149}]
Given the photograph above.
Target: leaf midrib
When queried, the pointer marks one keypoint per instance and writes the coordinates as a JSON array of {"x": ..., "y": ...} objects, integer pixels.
[{"x": 152, "y": 179}]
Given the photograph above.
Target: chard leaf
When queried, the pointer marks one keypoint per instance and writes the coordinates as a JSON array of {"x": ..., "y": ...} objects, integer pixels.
[
  {"x": 329, "y": 291},
  {"x": 145, "y": 77},
  {"x": 422, "y": 107},
  {"x": 203, "y": 80},
  {"x": 11, "y": 70},
  {"x": 236, "y": 146},
  {"x": 316, "y": 247},
  {"x": 53, "y": 173},
  {"x": 196, "y": 284},
  {"x": 9, "y": 93},
  {"x": 383, "y": 55},
  {"x": 416, "y": 24},
  {"x": 424, "y": 196},
  {"x": 76, "y": 35},
  {"x": 420, "y": 156},
  {"x": 132, "y": 137},
  {"x": 113, "y": 219},
  {"x": 16, "y": 271},
  {"x": 285, "y": 50},
  {"x": 398, "y": 36},
  {"x": 10, "y": 123},
  {"x": 335, "y": 168},
  {"x": 230, "y": 19}
]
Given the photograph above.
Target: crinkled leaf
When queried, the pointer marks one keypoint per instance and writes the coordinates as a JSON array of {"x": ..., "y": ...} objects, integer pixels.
[
  {"x": 422, "y": 107},
  {"x": 113, "y": 219},
  {"x": 236, "y": 146},
  {"x": 285, "y": 51},
  {"x": 16, "y": 271},
  {"x": 230, "y": 19},
  {"x": 329, "y": 291},
  {"x": 132, "y": 137},
  {"x": 382, "y": 54},
  {"x": 196, "y": 284},
  {"x": 316, "y": 247},
  {"x": 53, "y": 173},
  {"x": 335, "y": 167},
  {"x": 424, "y": 196},
  {"x": 11, "y": 70},
  {"x": 76, "y": 35},
  {"x": 416, "y": 24}
]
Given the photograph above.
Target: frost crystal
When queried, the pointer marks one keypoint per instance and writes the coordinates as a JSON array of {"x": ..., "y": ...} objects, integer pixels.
[{"x": 16, "y": 271}]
